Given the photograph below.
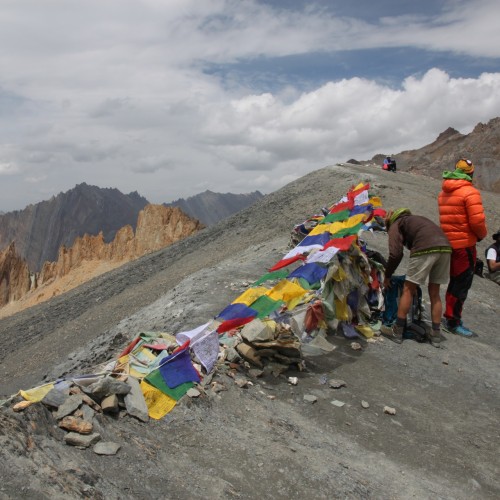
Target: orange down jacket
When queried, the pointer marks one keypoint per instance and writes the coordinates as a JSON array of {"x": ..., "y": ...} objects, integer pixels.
[{"x": 461, "y": 212}]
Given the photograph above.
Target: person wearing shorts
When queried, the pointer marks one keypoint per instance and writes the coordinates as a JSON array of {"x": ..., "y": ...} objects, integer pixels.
[{"x": 429, "y": 263}]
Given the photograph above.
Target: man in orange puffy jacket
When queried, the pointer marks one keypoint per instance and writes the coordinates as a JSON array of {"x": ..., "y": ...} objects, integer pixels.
[{"x": 462, "y": 219}]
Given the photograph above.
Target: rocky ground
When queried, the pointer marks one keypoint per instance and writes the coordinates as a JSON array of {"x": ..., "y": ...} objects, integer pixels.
[{"x": 265, "y": 440}]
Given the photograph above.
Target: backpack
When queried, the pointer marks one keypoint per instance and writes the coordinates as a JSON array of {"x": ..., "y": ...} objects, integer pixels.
[{"x": 416, "y": 328}]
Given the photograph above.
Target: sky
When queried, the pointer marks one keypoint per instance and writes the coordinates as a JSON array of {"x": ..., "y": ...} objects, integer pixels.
[{"x": 170, "y": 98}]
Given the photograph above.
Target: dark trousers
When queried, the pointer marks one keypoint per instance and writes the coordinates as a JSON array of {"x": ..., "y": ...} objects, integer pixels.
[{"x": 462, "y": 265}]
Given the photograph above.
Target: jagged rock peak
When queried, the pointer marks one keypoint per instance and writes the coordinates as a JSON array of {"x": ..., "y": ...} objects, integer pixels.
[
  {"x": 157, "y": 227},
  {"x": 15, "y": 279},
  {"x": 450, "y": 131}
]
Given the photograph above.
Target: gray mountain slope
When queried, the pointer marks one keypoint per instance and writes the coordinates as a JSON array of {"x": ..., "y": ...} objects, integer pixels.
[
  {"x": 264, "y": 441},
  {"x": 210, "y": 208}
]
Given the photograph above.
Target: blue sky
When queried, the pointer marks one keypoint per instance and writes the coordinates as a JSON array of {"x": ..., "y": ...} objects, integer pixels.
[{"x": 170, "y": 98}]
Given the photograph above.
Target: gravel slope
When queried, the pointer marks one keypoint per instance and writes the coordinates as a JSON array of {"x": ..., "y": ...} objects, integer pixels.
[{"x": 443, "y": 441}]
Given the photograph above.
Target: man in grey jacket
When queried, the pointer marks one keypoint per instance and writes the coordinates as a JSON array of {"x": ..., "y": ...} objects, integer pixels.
[{"x": 429, "y": 261}]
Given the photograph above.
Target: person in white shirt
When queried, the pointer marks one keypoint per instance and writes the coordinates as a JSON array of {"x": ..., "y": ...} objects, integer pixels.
[{"x": 493, "y": 259}]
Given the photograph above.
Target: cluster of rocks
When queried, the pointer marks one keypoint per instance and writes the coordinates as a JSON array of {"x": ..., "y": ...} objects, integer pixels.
[
  {"x": 75, "y": 404},
  {"x": 271, "y": 347}
]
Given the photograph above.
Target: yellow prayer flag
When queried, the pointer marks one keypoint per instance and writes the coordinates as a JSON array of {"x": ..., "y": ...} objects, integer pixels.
[
  {"x": 341, "y": 310},
  {"x": 375, "y": 201},
  {"x": 158, "y": 403},
  {"x": 365, "y": 330},
  {"x": 286, "y": 291},
  {"x": 250, "y": 295},
  {"x": 335, "y": 227},
  {"x": 37, "y": 393}
]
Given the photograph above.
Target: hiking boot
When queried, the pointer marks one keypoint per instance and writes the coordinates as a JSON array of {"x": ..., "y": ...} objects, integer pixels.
[
  {"x": 434, "y": 337},
  {"x": 459, "y": 329},
  {"x": 394, "y": 332}
]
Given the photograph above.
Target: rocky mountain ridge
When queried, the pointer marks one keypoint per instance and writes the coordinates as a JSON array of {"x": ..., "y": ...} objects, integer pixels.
[
  {"x": 39, "y": 230},
  {"x": 157, "y": 226},
  {"x": 210, "y": 207},
  {"x": 482, "y": 146}
]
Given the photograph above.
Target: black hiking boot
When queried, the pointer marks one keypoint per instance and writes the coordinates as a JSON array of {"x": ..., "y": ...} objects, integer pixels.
[{"x": 394, "y": 332}]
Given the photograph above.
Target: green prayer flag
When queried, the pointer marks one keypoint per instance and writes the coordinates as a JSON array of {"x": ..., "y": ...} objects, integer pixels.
[
  {"x": 336, "y": 217},
  {"x": 279, "y": 274},
  {"x": 348, "y": 231},
  {"x": 156, "y": 380},
  {"x": 264, "y": 305}
]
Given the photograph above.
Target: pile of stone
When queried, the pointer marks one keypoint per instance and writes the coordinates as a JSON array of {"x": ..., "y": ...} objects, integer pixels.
[
  {"x": 267, "y": 345},
  {"x": 75, "y": 405}
]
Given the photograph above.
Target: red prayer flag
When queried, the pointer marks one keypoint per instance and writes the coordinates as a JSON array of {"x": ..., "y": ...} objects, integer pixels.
[
  {"x": 346, "y": 205},
  {"x": 352, "y": 194},
  {"x": 129, "y": 347},
  {"x": 286, "y": 262},
  {"x": 230, "y": 324},
  {"x": 342, "y": 244}
]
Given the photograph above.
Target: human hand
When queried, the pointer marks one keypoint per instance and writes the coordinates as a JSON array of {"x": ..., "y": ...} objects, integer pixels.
[{"x": 387, "y": 283}]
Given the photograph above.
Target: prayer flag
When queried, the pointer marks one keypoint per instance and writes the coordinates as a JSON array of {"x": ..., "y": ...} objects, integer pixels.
[
  {"x": 231, "y": 324},
  {"x": 311, "y": 272},
  {"x": 286, "y": 262},
  {"x": 282, "y": 273},
  {"x": 177, "y": 369},
  {"x": 235, "y": 311},
  {"x": 250, "y": 295},
  {"x": 266, "y": 305}
]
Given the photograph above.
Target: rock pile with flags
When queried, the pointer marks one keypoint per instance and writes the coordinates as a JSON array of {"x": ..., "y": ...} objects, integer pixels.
[{"x": 326, "y": 283}]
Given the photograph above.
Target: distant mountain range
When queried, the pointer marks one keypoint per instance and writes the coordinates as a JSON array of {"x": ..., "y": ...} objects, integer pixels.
[{"x": 210, "y": 207}]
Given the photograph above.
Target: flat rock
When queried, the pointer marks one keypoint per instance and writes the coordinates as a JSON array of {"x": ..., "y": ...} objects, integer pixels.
[
  {"x": 257, "y": 330},
  {"x": 107, "y": 386},
  {"x": 310, "y": 398},
  {"x": 389, "y": 410},
  {"x": 106, "y": 448},
  {"x": 365, "y": 404},
  {"x": 55, "y": 398},
  {"x": 84, "y": 441},
  {"x": 337, "y": 403},
  {"x": 249, "y": 353},
  {"x": 22, "y": 405},
  {"x": 74, "y": 424},
  {"x": 110, "y": 404},
  {"x": 69, "y": 406},
  {"x": 193, "y": 393},
  {"x": 134, "y": 401},
  {"x": 336, "y": 384}
]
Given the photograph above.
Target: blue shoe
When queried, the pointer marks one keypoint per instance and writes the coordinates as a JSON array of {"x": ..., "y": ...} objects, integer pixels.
[
  {"x": 469, "y": 333},
  {"x": 460, "y": 329}
]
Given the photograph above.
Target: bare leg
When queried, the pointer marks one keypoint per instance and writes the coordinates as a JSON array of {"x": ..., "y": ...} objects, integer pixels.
[
  {"x": 436, "y": 304},
  {"x": 406, "y": 299}
]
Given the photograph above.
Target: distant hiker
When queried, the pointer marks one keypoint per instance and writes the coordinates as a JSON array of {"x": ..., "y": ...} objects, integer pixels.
[
  {"x": 389, "y": 164},
  {"x": 392, "y": 164},
  {"x": 462, "y": 219},
  {"x": 387, "y": 161},
  {"x": 493, "y": 259},
  {"x": 429, "y": 261}
]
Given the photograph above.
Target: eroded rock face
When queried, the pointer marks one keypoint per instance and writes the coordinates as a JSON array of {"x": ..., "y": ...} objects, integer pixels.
[
  {"x": 482, "y": 146},
  {"x": 157, "y": 227},
  {"x": 40, "y": 230},
  {"x": 15, "y": 279}
]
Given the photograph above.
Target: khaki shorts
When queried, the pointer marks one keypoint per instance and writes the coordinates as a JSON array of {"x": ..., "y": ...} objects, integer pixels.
[{"x": 434, "y": 267}]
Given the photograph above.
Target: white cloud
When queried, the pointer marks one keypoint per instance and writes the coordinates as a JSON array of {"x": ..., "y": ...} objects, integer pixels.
[{"x": 114, "y": 94}]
